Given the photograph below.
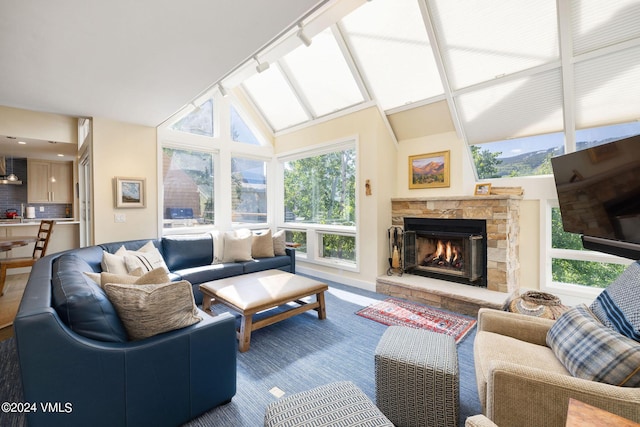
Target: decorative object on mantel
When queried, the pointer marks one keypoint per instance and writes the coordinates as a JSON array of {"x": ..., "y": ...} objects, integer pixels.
[
  {"x": 516, "y": 191},
  {"x": 482, "y": 189},
  {"x": 393, "y": 311},
  {"x": 429, "y": 170},
  {"x": 129, "y": 192},
  {"x": 538, "y": 304},
  {"x": 396, "y": 245}
]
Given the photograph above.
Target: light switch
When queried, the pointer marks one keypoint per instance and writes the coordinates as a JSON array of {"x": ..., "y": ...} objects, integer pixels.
[{"x": 119, "y": 217}]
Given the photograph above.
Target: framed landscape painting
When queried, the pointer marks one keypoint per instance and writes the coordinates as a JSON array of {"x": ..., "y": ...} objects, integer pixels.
[
  {"x": 129, "y": 192},
  {"x": 429, "y": 170}
]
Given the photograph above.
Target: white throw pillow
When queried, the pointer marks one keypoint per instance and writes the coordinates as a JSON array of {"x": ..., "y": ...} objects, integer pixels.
[
  {"x": 114, "y": 263},
  {"x": 218, "y": 246},
  {"x": 237, "y": 246},
  {"x": 147, "y": 261},
  {"x": 124, "y": 261}
]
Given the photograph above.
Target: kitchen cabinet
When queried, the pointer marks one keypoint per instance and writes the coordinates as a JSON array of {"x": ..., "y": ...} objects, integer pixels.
[{"x": 49, "y": 181}]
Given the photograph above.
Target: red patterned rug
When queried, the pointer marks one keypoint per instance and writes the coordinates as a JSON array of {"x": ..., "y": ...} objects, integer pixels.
[{"x": 404, "y": 313}]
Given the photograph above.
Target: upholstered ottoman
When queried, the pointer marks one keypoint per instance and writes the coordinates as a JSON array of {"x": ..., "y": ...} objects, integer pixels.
[
  {"x": 334, "y": 404},
  {"x": 417, "y": 380}
]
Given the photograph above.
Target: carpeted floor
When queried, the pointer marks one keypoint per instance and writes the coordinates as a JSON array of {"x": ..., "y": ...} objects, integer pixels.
[{"x": 294, "y": 355}]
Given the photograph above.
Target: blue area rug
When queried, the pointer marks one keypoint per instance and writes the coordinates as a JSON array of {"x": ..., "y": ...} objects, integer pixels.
[{"x": 293, "y": 355}]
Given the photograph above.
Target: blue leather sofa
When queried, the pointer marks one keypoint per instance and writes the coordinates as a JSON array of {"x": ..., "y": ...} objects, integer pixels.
[{"x": 75, "y": 357}]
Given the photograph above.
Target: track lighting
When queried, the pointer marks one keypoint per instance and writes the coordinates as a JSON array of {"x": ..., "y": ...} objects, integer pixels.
[
  {"x": 262, "y": 66},
  {"x": 302, "y": 36},
  {"x": 222, "y": 90}
]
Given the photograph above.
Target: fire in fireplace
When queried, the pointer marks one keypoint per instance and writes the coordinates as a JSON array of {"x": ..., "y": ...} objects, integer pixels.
[
  {"x": 443, "y": 254},
  {"x": 451, "y": 249}
]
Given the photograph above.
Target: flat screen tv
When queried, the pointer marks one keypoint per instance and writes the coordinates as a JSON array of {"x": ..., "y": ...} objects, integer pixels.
[{"x": 599, "y": 196}]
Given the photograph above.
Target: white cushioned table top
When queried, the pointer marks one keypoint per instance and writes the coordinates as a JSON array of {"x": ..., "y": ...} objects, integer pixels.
[{"x": 248, "y": 291}]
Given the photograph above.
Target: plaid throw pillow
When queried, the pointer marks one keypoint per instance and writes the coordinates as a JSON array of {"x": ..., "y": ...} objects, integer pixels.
[
  {"x": 592, "y": 351},
  {"x": 617, "y": 306}
]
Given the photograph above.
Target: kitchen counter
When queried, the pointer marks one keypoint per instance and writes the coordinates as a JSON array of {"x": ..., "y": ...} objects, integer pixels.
[
  {"x": 66, "y": 235},
  {"x": 35, "y": 221}
]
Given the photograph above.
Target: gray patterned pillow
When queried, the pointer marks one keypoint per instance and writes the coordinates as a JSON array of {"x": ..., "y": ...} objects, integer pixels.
[
  {"x": 147, "y": 310},
  {"x": 592, "y": 351},
  {"x": 618, "y": 306}
]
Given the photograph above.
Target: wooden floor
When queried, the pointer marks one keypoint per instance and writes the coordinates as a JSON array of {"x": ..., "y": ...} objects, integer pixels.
[{"x": 9, "y": 303}]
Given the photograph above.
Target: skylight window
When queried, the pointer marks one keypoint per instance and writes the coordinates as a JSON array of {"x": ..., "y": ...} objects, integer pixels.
[
  {"x": 605, "y": 89},
  {"x": 273, "y": 95},
  {"x": 481, "y": 40},
  {"x": 322, "y": 74},
  {"x": 597, "y": 24},
  {"x": 521, "y": 107},
  {"x": 390, "y": 43}
]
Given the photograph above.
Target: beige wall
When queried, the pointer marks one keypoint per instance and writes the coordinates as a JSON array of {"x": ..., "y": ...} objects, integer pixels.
[
  {"x": 376, "y": 162},
  {"x": 125, "y": 150},
  {"x": 460, "y": 175},
  {"x": 35, "y": 125}
]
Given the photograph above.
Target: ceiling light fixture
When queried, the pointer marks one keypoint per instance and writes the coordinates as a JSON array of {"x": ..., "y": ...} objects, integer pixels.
[
  {"x": 302, "y": 36},
  {"x": 262, "y": 66},
  {"x": 222, "y": 90}
]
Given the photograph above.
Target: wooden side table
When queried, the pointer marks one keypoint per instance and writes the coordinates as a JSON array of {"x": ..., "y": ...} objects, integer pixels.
[{"x": 582, "y": 415}]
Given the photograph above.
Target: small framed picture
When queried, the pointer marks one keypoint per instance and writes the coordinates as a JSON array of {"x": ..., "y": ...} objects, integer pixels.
[
  {"x": 483, "y": 189},
  {"x": 429, "y": 170},
  {"x": 129, "y": 192}
]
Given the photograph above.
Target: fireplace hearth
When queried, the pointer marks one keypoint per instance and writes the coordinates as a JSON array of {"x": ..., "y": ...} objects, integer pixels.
[{"x": 449, "y": 249}]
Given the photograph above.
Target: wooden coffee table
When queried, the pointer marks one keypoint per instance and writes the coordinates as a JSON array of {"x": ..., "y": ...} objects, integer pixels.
[{"x": 251, "y": 293}]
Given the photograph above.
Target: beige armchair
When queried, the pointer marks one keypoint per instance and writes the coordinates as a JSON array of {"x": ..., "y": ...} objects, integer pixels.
[
  {"x": 522, "y": 383},
  {"x": 479, "y": 421}
]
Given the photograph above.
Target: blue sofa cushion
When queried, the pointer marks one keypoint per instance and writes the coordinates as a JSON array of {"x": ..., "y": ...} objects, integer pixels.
[
  {"x": 182, "y": 252},
  {"x": 82, "y": 304},
  {"x": 261, "y": 264}
]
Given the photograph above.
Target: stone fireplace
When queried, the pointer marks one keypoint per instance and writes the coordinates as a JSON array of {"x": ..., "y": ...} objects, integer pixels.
[{"x": 500, "y": 214}]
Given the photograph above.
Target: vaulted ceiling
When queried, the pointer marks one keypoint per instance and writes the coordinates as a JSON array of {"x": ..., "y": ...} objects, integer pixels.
[{"x": 133, "y": 61}]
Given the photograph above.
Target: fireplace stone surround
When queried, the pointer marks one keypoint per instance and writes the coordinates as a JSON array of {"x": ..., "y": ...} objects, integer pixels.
[{"x": 502, "y": 214}]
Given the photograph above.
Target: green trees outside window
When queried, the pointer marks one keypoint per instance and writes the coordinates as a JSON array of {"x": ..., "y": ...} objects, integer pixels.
[
  {"x": 321, "y": 189},
  {"x": 586, "y": 273}
]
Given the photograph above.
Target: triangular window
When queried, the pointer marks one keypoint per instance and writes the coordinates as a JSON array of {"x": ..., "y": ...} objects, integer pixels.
[
  {"x": 199, "y": 121},
  {"x": 240, "y": 131}
]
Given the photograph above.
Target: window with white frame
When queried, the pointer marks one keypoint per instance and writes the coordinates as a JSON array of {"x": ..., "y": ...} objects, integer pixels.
[
  {"x": 240, "y": 129},
  {"x": 248, "y": 190},
  {"x": 199, "y": 121},
  {"x": 188, "y": 190},
  {"x": 319, "y": 204},
  {"x": 572, "y": 264}
]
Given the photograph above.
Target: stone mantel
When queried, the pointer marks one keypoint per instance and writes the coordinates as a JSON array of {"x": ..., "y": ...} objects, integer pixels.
[
  {"x": 502, "y": 214},
  {"x": 449, "y": 198}
]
